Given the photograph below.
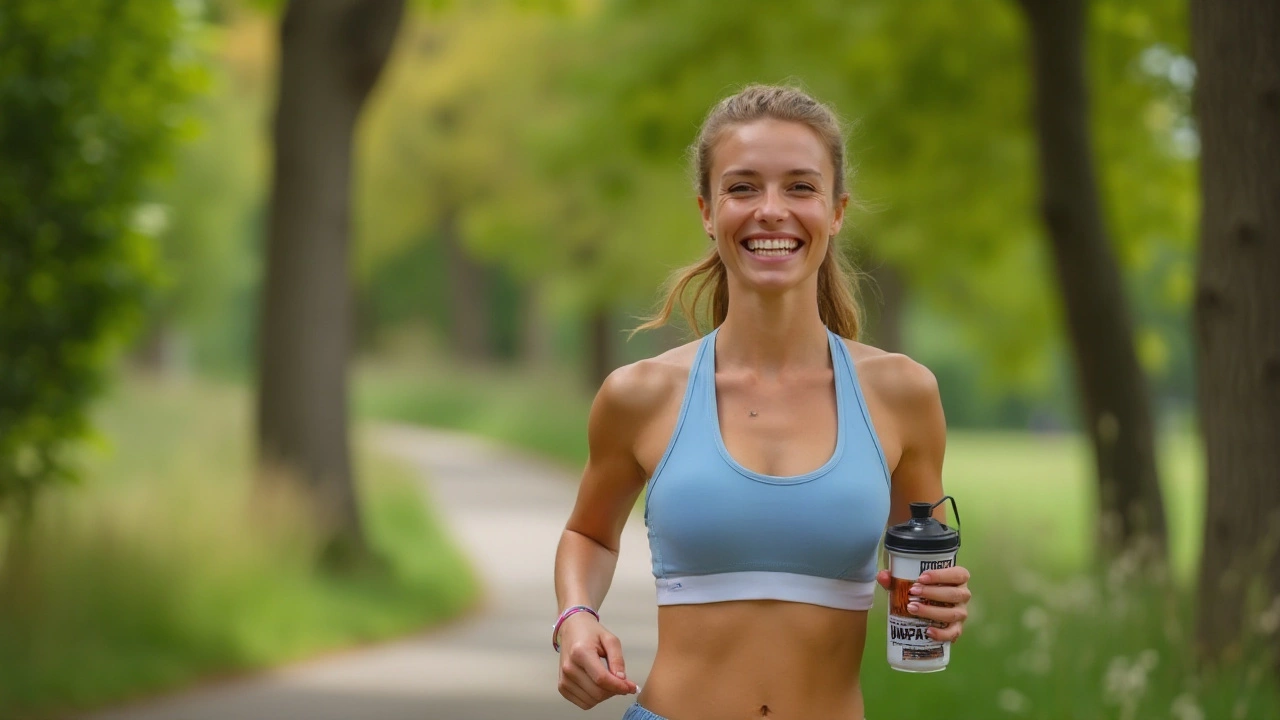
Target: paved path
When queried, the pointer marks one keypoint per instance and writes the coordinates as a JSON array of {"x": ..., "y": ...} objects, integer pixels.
[{"x": 506, "y": 510}]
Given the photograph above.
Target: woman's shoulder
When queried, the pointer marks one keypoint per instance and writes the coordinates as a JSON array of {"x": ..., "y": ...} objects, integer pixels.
[
  {"x": 895, "y": 379},
  {"x": 645, "y": 386}
]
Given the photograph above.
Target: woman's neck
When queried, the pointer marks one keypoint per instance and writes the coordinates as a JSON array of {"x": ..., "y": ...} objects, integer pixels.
[{"x": 772, "y": 334}]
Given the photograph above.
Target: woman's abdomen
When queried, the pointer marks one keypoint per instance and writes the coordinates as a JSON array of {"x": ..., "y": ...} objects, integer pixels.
[{"x": 756, "y": 658}]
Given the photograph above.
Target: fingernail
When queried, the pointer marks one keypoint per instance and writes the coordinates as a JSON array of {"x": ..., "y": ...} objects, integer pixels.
[
  {"x": 916, "y": 589},
  {"x": 913, "y": 607},
  {"x": 924, "y": 578},
  {"x": 622, "y": 675}
]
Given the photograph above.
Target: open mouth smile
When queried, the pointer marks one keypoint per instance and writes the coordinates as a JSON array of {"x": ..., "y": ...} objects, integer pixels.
[{"x": 772, "y": 247}]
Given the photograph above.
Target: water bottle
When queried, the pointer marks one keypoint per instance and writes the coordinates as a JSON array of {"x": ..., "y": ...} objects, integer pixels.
[{"x": 915, "y": 547}]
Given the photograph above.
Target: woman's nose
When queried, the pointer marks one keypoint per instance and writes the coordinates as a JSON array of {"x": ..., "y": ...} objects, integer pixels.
[{"x": 773, "y": 206}]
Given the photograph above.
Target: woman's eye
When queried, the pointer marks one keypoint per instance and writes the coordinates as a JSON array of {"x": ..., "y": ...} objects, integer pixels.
[
  {"x": 804, "y": 187},
  {"x": 740, "y": 187}
]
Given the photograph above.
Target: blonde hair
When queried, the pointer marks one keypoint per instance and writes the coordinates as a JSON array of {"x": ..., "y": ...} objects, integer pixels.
[{"x": 837, "y": 301}]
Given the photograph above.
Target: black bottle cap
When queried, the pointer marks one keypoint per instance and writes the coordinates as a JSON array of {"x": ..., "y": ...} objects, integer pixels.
[{"x": 922, "y": 533}]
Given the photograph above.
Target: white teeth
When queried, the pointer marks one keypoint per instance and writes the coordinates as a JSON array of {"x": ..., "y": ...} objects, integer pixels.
[{"x": 784, "y": 244}]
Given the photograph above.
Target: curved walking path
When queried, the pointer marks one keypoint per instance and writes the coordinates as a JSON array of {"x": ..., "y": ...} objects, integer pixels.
[{"x": 506, "y": 511}]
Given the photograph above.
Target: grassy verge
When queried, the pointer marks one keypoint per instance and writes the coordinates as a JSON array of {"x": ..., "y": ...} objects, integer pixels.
[
  {"x": 1048, "y": 639},
  {"x": 152, "y": 574},
  {"x": 1068, "y": 645},
  {"x": 540, "y": 413}
]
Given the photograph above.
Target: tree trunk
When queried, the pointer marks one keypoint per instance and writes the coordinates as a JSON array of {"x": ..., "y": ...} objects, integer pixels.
[
  {"x": 885, "y": 303},
  {"x": 331, "y": 53},
  {"x": 537, "y": 346},
  {"x": 600, "y": 337},
  {"x": 20, "y": 582},
  {"x": 470, "y": 296},
  {"x": 1116, "y": 405},
  {"x": 1237, "y": 315}
]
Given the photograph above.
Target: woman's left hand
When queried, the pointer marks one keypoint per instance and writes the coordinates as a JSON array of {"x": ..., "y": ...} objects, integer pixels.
[{"x": 949, "y": 589}]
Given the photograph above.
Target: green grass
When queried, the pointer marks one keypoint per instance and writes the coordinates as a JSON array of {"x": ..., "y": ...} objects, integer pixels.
[
  {"x": 1048, "y": 638},
  {"x": 159, "y": 569},
  {"x": 1072, "y": 645},
  {"x": 545, "y": 414}
]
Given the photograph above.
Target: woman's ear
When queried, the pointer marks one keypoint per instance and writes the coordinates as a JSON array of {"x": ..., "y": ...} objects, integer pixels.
[
  {"x": 707, "y": 223},
  {"x": 838, "y": 220}
]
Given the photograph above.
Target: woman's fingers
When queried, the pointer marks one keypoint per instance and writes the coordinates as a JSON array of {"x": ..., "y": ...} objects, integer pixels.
[
  {"x": 938, "y": 613},
  {"x": 614, "y": 664},
  {"x": 576, "y": 679},
  {"x": 955, "y": 575},
  {"x": 598, "y": 671},
  {"x": 588, "y": 687},
  {"x": 942, "y": 593},
  {"x": 574, "y": 693},
  {"x": 949, "y": 632},
  {"x": 591, "y": 673},
  {"x": 884, "y": 579},
  {"x": 587, "y": 676}
]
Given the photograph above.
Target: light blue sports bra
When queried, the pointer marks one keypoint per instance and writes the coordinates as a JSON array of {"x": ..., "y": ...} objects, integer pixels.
[{"x": 720, "y": 532}]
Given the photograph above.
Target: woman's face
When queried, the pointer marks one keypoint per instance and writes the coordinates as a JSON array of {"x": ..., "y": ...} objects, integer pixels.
[{"x": 771, "y": 207}]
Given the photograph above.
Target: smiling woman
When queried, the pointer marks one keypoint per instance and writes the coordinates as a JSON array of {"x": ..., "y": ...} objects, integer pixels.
[
  {"x": 772, "y": 451},
  {"x": 771, "y": 210}
]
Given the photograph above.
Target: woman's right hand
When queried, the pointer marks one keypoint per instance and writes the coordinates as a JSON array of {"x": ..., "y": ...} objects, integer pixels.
[{"x": 591, "y": 666}]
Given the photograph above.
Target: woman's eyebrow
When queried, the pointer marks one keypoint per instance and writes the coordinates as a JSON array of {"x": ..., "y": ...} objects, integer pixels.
[{"x": 748, "y": 172}]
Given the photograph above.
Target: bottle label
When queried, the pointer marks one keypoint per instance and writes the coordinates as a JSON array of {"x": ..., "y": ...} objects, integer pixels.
[{"x": 908, "y": 634}]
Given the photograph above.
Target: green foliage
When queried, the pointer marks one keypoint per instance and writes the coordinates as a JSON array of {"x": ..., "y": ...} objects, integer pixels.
[
  {"x": 92, "y": 95},
  {"x": 568, "y": 138},
  {"x": 213, "y": 207},
  {"x": 553, "y": 144},
  {"x": 151, "y": 574}
]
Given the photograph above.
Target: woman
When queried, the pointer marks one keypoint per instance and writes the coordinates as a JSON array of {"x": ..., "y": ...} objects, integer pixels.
[{"x": 775, "y": 450}]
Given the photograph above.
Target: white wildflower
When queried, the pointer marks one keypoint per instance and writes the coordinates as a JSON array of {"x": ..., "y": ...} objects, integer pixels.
[
  {"x": 1125, "y": 682},
  {"x": 1012, "y": 701},
  {"x": 1026, "y": 582},
  {"x": 1078, "y": 594},
  {"x": 1034, "y": 618},
  {"x": 1185, "y": 707},
  {"x": 1147, "y": 660},
  {"x": 1037, "y": 662}
]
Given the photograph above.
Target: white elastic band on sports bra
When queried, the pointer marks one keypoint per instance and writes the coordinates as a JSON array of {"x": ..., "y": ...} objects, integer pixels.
[{"x": 765, "y": 585}]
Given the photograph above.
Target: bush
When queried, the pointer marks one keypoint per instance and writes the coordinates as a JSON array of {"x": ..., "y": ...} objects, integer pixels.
[{"x": 155, "y": 572}]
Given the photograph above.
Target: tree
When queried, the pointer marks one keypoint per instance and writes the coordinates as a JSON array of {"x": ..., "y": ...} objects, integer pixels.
[
  {"x": 443, "y": 149},
  {"x": 1237, "y": 314},
  {"x": 93, "y": 99},
  {"x": 331, "y": 54},
  {"x": 1116, "y": 407}
]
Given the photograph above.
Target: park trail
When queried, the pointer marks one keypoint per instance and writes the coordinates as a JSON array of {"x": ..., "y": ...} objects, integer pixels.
[{"x": 506, "y": 511}]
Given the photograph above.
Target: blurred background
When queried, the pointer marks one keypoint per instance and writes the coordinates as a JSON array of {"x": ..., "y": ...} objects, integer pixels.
[{"x": 227, "y": 259}]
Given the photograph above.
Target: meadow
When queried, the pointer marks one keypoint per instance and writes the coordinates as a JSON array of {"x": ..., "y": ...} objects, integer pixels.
[
  {"x": 161, "y": 568},
  {"x": 1052, "y": 633}
]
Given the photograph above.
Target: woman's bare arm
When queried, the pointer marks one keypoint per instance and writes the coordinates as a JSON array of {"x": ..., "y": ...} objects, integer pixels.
[
  {"x": 587, "y": 555},
  {"x": 611, "y": 482},
  {"x": 911, "y": 390}
]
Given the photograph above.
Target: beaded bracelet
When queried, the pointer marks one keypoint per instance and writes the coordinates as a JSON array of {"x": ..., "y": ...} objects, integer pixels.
[{"x": 555, "y": 631}]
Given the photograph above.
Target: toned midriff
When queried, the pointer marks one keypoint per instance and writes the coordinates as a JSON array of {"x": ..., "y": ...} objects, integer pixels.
[{"x": 756, "y": 659}]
